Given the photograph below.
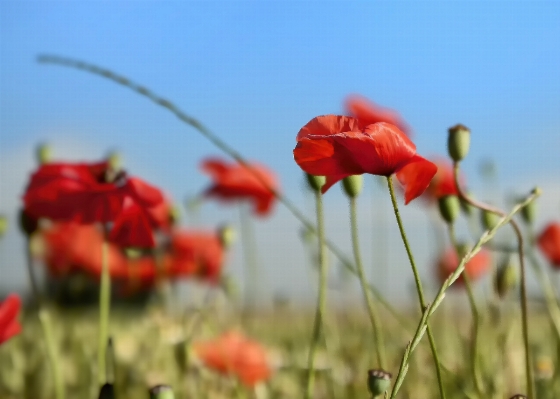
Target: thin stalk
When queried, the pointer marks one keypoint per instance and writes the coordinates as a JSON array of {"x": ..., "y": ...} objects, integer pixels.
[
  {"x": 370, "y": 305},
  {"x": 104, "y": 309},
  {"x": 46, "y": 325},
  {"x": 37, "y": 297},
  {"x": 524, "y": 311},
  {"x": 250, "y": 260},
  {"x": 321, "y": 298},
  {"x": 223, "y": 146},
  {"x": 475, "y": 369},
  {"x": 420, "y": 291}
]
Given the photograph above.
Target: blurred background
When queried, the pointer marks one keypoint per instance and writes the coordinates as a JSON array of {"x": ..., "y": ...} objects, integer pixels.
[{"x": 256, "y": 72}]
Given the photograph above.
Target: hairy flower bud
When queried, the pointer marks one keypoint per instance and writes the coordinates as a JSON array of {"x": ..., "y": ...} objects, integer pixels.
[
  {"x": 378, "y": 381},
  {"x": 458, "y": 142},
  {"x": 43, "y": 153},
  {"x": 449, "y": 208},
  {"x": 529, "y": 212},
  {"x": 227, "y": 235},
  {"x": 315, "y": 182},
  {"x": 162, "y": 392},
  {"x": 506, "y": 279},
  {"x": 489, "y": 219},
  {"x": 353, "y": 185}
]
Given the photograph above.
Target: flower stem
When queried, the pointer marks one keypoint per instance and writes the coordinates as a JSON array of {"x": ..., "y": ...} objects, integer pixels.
[
  {"x": 46, "y": 325},
  {"x": 321, "y": 298},
  {"x": 104, "y": 308},
  {"x": 370, "y": 306},
  {"x": 523, "y": 297},
  {"x": 250, "y": 260},
  {"x": 419, "y": 289}
]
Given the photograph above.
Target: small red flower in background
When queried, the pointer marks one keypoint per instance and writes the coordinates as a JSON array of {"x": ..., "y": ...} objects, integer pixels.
[
  {"x": 232, "y": 353},
  {"x": 93, "y": 193},
  {"x": 337, "y": 146},
  {"x": 9, "y": 310},
  {"x": 368, "y": 113},
  {"x": 476, "y": 268},
  {"x": 549, "y": 243},
  {"x": 443, "y": 182},
  {"x": 233, "y": 181}
]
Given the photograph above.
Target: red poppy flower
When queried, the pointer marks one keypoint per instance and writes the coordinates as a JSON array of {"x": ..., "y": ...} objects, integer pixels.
[
  {"x": 88, "y": 193},
  {"x": 9, "y": 325},
  {"x": 368, "y": 113},
  {"x": 234, "y": 354},
  {"x": 476, "y": 268},
  {"x": 549, "y": 243},
  {"x": 336, "y": 147},
  {"x": 233, "y": 181},
  {"x": 196, "y": 253},
  {"x": 443, "y": 182}
]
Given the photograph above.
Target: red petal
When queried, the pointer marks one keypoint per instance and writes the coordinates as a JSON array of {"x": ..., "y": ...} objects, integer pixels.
[
  {"x": 132, "y": 228},
  {"x": 215, "y": 167},
  {"x": 9, "y": 310},
  {"x": 328, "y": 124},
  {"x": 146, "y": 194},
  {"x": 321, "y": 156},
  {"x": 367, "y": 113},
  {"x": 549, "y": 243},
  {"x": 415, "y": 176}
]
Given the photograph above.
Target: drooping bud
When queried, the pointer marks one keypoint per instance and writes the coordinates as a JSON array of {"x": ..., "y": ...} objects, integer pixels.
[
  {"x": 27, "y": 223},
  {"x": 162, "y": 392},
  {"x": 353, "y": 185},
  {"x": 449, "y": 208},
  {"x": 458, "y": 142},
  {"x": 3, "y": 225},
  {"x": 378, "y": 381},
  {"x": 529, "y": 212},
  {"x": 506, "y": 278},
  {"x": 489, "y": 219},
  {"x": 315, "y": 182},
  {"x": 107, "y": 391},
  {"x": 43, "y": 153},
  {"x": 227, "y": 235}
]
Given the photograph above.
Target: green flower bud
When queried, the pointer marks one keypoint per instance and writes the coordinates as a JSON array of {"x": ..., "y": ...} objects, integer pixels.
[
  {"x": 315, "y": 182},
  {"x": 161, "y": 392},
  {"x": 28, "y": 224},
  {"x": 227, "y": 235},
  {"x": 3, "y": 225},
  {"x": 529, "y": 212},
  {"x": 458, "y": 142},
  {"x": 489, "y": 219},
  {"x": 506, "y": 279},
  {"x": 43, "y": 154},
  {"x": 378, "y": 381},
  {"x": 114, "y": 159},
  {"x": 174, "y": 214},
  {"x": 353, "y": 185},
  {"x": 449, "y": 208},
  {"x": 107, "y": 391}
]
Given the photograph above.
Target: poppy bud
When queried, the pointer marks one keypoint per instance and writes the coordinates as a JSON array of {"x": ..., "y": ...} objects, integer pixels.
[
  {"x": 114, "y": 159},
  {"x": 506, "y": 279},
  {"x": 227, "y": 235},
  {"x": 161, "y": 392},
  {"x": 489, "y": 219},
  {"x": 529, "y": 212},
  {"x": 27, "y": 223},
  {"x": 107, "y": 391},
  {"x": 378, "y": 381},
  {"x": 353, "y": 185},
  {"x": 315, "y": 182},
  {"x": 449, "y": 208},
  {"x": 43, "y": 154},
  {"x": 3, "y": 225},
  {"x": 174, "y": 214},
  {"x": 458, "y": 142}
]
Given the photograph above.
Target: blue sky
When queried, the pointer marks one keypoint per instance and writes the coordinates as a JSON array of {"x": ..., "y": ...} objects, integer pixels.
[{"x": 255, "y": 72}]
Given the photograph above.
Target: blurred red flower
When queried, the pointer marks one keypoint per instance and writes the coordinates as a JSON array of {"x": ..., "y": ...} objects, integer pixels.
[
  {"x": 549, "y": 243},
  {"x": 93, "y": 193},
  {"x": 233, "y": 181},
  {"x": 9, "y": 310},
  {"x": 337, "y": 146},
  {"x": 232, "y": 353},
  {"x": 476, "y": 268},
  {"x": 443, "y": 182},
  {"x": 368, "y": 113}
]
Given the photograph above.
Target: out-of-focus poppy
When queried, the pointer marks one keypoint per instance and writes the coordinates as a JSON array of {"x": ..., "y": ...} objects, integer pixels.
[
  {"x": 9, "y": 310},
  {"x": 234, "y": 354},
  {"x": 476, "y": 268},
  {"x": 368, "y": 113},
  {"x": 549, "y": 243},
  {"x": 233, "y": 181},
  {"x": 336, "y": 147},
  {"x": 443, "y": 182},
  {"x": 93, "y": 193}
]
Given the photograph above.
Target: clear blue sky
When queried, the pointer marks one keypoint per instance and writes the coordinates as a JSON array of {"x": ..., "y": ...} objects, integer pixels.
[{"x": 255, "y": 72}]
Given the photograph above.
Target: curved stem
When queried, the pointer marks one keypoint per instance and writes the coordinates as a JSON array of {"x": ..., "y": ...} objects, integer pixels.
[
  {"x": 475, "y": 315},
  {"x": 520, "y": 245},
  {"x": 370, "y": 306},
  {"x": 321, "y": 298},
  {"x": 419, "y": 289},
  {"x": 104, "y": 308},
  {"x": 194, "y": 123}
]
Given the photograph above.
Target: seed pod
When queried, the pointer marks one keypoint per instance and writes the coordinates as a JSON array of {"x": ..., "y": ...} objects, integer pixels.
[
  {"x": 458, "y": 142},
  {"x": 378, "y": 381},
  {"x": 315, "y": 182},
  {"x": 449, "y": 208},
  {"x": 506, "y": 279},
  {"x": 43, "y": 154},
  {"x": 489, "y": 219},
  {"x": 227, "y": 235},
  {"x": 353, "y": 185},
  {"x": 161, "y": 392},
  {"x": 529, "y": 212}
]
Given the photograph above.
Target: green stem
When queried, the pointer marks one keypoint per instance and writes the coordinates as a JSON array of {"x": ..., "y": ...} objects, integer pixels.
[
  {"x": 321, "y": 298},
  {"x": 37, "y": 297},
  {"x": 46, "y": 325},
  {"x": 476, "y": 318},
  {"x": 250, "y": 260},
  {"x": 104, "y": 309},
  {"x": 370, "y": 306},
  {"x": 419, "y": 289}
]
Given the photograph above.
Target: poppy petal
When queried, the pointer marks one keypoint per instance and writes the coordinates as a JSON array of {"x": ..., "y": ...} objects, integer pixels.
[
  {"x": 9, "y": 310},
  {"x": 415, "y": 176},
  {"x": 367, "y": 113},
  {"x": 326, "y": 125},
  {"x": 322, "y": 156},
  {"x": 132, "y": 228}
]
